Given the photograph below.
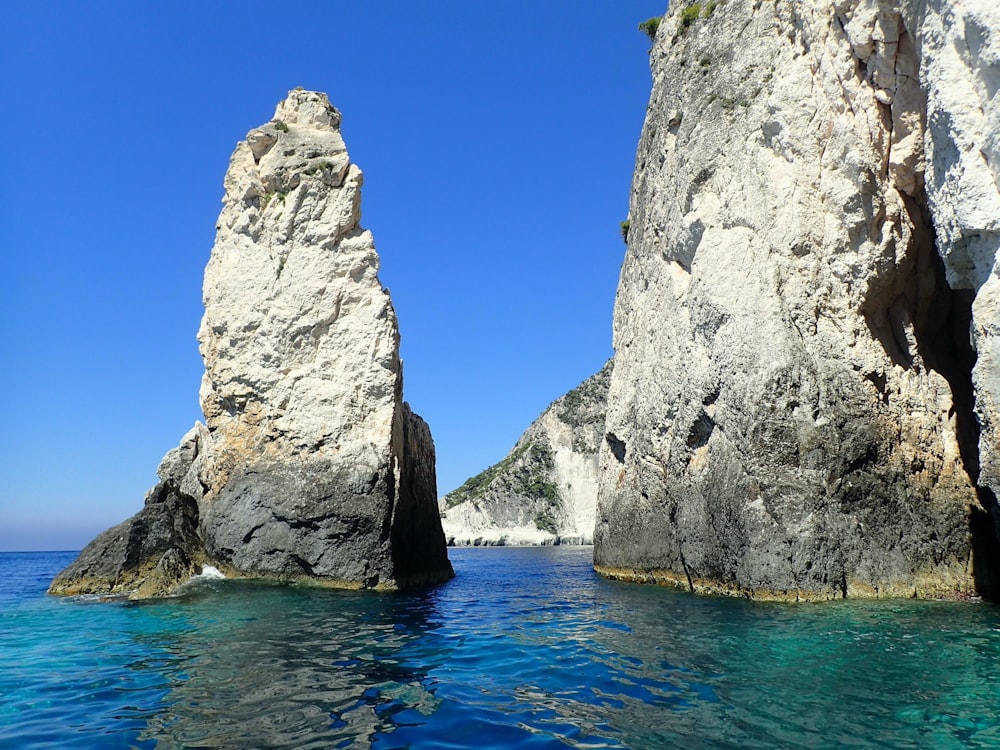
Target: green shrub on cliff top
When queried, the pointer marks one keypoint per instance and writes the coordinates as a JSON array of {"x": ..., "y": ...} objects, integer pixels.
[
  {"x": 476, "y": 486},
  {"x": 528, "y": 467},
  {"x": 650, "y": 25}
]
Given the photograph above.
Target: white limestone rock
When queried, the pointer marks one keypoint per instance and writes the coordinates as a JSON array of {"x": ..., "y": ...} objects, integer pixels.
[
  {"x": 792, "y": 413},
  {"x": 545, "y": 490},
  {"x": 309, "y": 465}
]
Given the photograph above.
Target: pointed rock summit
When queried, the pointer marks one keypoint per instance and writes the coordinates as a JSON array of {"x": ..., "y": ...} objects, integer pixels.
[{"x": 309, "y": 465}]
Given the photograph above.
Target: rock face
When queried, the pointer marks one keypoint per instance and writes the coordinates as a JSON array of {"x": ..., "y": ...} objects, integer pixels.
[
  {"x": 803, "y": 404},
  {"x": 545, "y": 490},
  {"x": 309, "y": 465}
]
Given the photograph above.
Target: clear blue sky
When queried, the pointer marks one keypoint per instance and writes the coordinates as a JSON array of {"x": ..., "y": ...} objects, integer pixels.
[{"x": 497, "y": 140}]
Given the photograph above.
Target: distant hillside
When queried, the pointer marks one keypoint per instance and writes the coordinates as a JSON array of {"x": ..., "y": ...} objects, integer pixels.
[{"x": 545, "y": 490}]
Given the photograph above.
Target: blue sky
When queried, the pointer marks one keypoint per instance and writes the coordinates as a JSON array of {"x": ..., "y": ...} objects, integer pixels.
[{"x": 497, "y": 140}]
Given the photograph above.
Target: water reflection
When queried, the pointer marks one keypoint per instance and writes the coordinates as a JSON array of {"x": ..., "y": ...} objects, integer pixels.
[
  {"x": 277, "y": 666},
  {"x": 525, "y": 648}
]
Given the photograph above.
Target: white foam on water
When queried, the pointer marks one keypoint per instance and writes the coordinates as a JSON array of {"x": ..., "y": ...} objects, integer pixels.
[{"x": 210, "y": 572}]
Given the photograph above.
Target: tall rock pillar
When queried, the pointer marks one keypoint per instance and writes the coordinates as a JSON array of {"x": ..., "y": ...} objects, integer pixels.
[{"x": 309, "y": 465}]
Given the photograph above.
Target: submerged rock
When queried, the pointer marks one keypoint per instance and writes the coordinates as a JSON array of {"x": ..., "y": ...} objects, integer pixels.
[
  {"x": 309, "y": 465},
  {"x": 797, "y": 410},
  {"x": 545, "y": 490}
]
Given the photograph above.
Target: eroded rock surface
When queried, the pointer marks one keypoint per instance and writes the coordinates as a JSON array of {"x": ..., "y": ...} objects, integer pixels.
[
  {"x": 309, "y": 466},
  {"x": 545, "y": 490},
  {"x": 797, "y": 409}
]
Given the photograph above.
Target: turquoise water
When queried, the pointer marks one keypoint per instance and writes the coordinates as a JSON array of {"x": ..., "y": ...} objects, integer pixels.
[{"x": 525, "y": 648}]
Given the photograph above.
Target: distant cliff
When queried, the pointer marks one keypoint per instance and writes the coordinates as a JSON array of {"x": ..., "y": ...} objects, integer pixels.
[
  {"x": 309, "y": 467},
  {"x": 545, "y": 490},
  {"x": 803, "y": 404}
]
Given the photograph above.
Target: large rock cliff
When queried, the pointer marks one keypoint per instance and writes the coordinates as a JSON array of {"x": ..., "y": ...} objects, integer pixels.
[
  {"x": 806, "y": 356},
  {"x": 309, "y": 465},
  {"x": 545, "y": 490}
]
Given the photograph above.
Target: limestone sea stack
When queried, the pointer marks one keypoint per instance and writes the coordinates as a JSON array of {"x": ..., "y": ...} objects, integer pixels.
[
  {"x": 807, "y": 361},
  {"x": 545, "y": 490},
  {"x": 309, "y": 466}
]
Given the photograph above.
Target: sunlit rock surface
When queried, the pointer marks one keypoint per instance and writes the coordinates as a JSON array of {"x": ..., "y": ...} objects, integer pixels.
[
  {"x": 545, "y": 490},
  {"x": 806, "y": 361},
  {"x": 309, "y": 465}
]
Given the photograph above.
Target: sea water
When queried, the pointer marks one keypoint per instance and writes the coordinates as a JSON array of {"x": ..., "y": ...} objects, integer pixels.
[{"x": 524, "y": 648}]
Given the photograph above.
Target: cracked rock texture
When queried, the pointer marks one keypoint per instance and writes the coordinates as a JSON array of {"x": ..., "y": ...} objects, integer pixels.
[
  {"x": 806, "y": 356},
  {"x": 309, "y": 465},
  {"x": 545, "y": 490}
]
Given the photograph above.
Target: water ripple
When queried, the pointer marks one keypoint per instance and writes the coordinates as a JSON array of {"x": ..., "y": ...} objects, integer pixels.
[{"x": 526, "y": 648}]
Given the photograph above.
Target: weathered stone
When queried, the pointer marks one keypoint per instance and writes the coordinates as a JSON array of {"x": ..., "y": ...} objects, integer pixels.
[
  {"x": 310, "y": 466},
  {"x": 545, "y": 490},
  {"x": 182, "y": 464},
  {"x": 792, "y": 412},
  {"x": 145, "y": 556},
  {"x": 960, "y": 70},
  {"x": 418, "y": 549}
]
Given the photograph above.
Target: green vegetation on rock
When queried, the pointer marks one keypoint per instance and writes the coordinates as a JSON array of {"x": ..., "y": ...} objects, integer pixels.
[
  {"x": 475, "y": 486},
  {"x": 326, "y": 166},
  {"x": 531, "y": 478},
  {"x": 585, "y": 404},
  {"x": 528, "y": 466},
  {"x": 545, "y": 521},
  {"x": 690, "y": 14},
  {"x": 650, "y": 25},
  {"x": 265, "y": 200}
]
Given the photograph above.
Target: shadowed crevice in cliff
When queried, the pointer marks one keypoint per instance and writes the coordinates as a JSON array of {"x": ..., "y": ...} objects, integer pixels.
[
  {"x": 419, "y": 554},
  {"x": 917, "y": 297},
  {"x": 944, "y": 342}
]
